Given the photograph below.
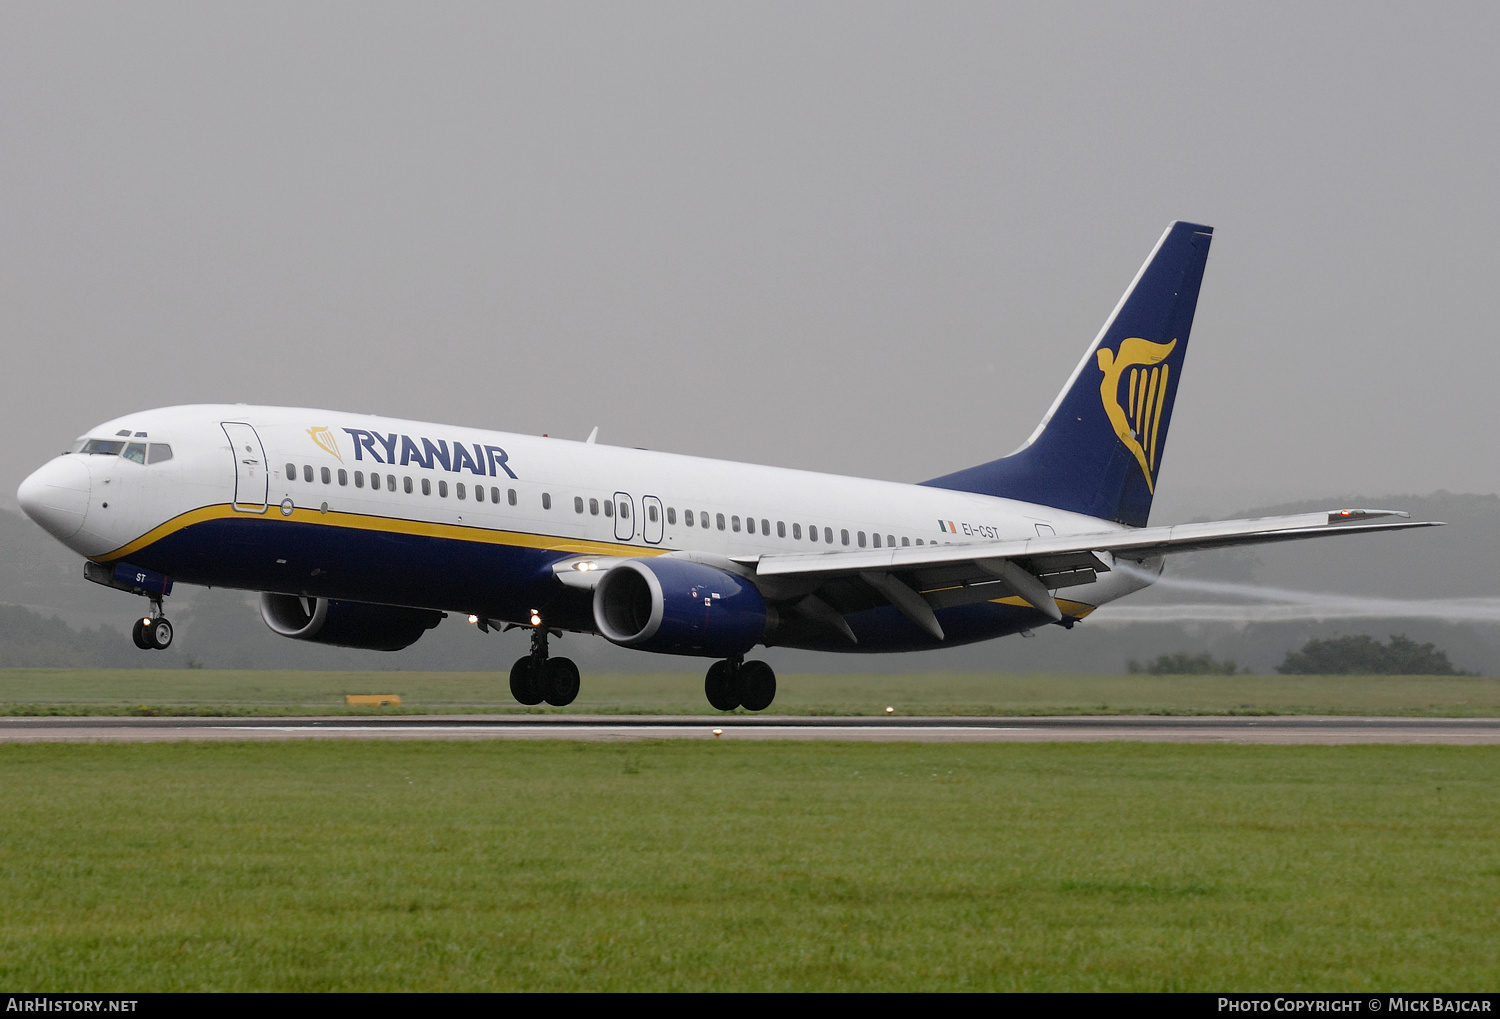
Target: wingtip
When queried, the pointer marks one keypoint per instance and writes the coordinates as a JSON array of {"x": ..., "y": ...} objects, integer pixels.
[{"x": 1349, "y": 516}]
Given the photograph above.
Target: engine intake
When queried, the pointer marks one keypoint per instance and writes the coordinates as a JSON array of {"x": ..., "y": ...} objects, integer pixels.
[
  {"x": 678, "y": 607},
  {"x": 346, "y": 623}
]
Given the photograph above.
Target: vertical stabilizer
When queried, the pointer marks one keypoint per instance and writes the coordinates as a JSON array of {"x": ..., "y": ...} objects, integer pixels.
[{"x": 1099, "y": 449}]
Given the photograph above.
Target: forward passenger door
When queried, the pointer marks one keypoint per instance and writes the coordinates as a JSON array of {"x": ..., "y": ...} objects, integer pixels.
[{"x": 251, "y": 482}]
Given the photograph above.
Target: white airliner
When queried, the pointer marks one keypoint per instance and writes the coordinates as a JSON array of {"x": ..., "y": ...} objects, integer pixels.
[{"x": 365, "y": 532}]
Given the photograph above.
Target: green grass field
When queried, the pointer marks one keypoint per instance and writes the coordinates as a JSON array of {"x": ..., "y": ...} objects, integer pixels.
[
  {"x": 96, "y": 691},
  {"x": 695, "y": 866}
]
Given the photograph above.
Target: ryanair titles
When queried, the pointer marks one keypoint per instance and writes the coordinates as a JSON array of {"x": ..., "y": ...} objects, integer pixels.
[{"x": 402, "y": 450}]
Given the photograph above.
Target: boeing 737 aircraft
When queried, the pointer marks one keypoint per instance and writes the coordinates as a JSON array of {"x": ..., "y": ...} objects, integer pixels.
[{"x": 365, "y": 532}]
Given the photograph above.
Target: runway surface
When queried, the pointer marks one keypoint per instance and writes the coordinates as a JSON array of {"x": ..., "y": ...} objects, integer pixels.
[{"x": 1285, "y": 729}]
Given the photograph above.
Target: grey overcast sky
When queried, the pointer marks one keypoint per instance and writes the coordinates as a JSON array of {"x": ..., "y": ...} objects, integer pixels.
[{"x": 868, "y": 238}]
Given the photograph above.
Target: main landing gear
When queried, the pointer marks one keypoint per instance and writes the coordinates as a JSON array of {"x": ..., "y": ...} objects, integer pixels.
[
  {"x": 537, "y": 678},
  {"x": 153, "y": 632},
  {"x": 736, "y": 683}
]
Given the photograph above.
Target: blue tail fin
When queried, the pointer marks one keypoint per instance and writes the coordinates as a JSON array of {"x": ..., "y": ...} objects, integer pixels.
[{"x": 1099, "y": 449}]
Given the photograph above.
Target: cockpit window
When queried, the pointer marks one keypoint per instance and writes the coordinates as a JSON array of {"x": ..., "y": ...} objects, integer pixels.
[
  {"x": 135, "y": 451},
  {"x": 157, "y": 452},
  {"x": 102, "y": 447}
]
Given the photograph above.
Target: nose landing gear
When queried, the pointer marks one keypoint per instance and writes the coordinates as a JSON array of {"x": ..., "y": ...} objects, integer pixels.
[
  {"x": 153, "y": 632},
  {"x": 537, "y": 678},
  {"x": 735, "y": 683}
]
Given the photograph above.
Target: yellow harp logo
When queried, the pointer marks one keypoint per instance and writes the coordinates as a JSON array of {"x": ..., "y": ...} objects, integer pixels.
[
  {"x": 324, "y": 438},
  {"x": 1137, "y": 423}
]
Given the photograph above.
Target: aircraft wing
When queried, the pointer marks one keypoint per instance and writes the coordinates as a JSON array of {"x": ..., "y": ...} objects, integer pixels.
[
  {"x": 1134, "y": 543},
  {"x": 918, "y": 579},
  {"x": 824, "y": 586}
]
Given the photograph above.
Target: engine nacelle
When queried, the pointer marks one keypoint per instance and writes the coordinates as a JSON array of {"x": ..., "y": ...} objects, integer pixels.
[
  {"x": 678, "y": 607},
  {"x": 346, "y": 623}
]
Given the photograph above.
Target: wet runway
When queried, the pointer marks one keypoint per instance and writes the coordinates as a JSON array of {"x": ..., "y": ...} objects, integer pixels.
[{"x": 1066, "y": 729}]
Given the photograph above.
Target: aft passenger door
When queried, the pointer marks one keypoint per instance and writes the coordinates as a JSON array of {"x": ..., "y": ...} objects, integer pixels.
[
  {"x": 624, "y": 517},
  {"x": 653, "y": 526},
  {"x": 251, "y": 482}
]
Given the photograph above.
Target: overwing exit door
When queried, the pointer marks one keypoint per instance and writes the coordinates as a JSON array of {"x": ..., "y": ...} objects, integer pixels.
[
  {"x": 624, "y": 517},
  {"x": 251, "y": 483},
  {"x": 652, "y": 524}
]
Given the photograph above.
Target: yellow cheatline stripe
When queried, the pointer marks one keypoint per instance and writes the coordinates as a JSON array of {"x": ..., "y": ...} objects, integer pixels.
[
  {"x": 386, "y": 525},
  {"x": 1077, "y": 609}
]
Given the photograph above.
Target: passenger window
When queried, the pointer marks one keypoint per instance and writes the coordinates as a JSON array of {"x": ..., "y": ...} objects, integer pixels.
[
  {"x": 905, "y": 542},
  {"x": 460, "y": 486},
  {"x": 510, "y": 494},
  {"x": 390, "y": 482},
  {"x": 343, "y": 477},
  {"x": 594, "y": 507},
  {"x": 307, "y": 472},
  {"x": 327, "y": 476},
  {"x": 812, "y": 532},
  {"x": 844, "y": 534},
  {"x": 652, "y": 513},
  {"x": 609, "y": 507},
  {"x": 781, "y": 528},
  {"x": 797, "y": 531},
  {"x": 546, "y": 500},
  {"x": 375, "y": 482},
  {"x": 875, "y": 537},
  {"x": 359, "y": 479},
  {"x": 136, "y": 452},
  {"x": 291, "y": 472},
  {"x": 624, "y": 510},
  {"x": 406, "y": 484},
  {"x": 478, "y": 492},
  {"x": 734, "y": 523},
  {"x": 426, "y": 486},
  {"x": 828, "y": 536},
  {"x": 671, "y": 514},
  {"x": 719, "y": 517},
  {"x": 703, "y": 519},
  {"x": 765, "y": 526},
  {"x": 861, "y": 537},
  {"x": 442, "y": 489},
  {"x": 919, "y": 541},
  {"x": 687, "y": 517},
  {"x": 577, "y": 504},
  {"x": 890, "y": 539}
]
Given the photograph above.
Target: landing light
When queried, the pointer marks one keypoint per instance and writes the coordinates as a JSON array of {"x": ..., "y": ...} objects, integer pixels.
[
  {"x": 536, "y": 618},
  {"x": 473, "y": 619},
  {"x": 585, "y": 566}
]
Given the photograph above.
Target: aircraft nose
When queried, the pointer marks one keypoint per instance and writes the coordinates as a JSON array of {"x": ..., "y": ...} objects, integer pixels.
[{"x": 57, "y": 496}]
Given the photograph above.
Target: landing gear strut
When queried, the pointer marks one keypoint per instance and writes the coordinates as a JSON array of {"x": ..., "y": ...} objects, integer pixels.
[
  {"x": 537, "y": 678},
  {"x": 153, "y": 632},
  {"x": 735, "y": 683}
]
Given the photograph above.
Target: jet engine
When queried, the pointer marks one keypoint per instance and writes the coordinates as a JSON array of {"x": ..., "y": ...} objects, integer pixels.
[
  {"x": 346, "y": 623},
  {"x": 678, "y": 607}
]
